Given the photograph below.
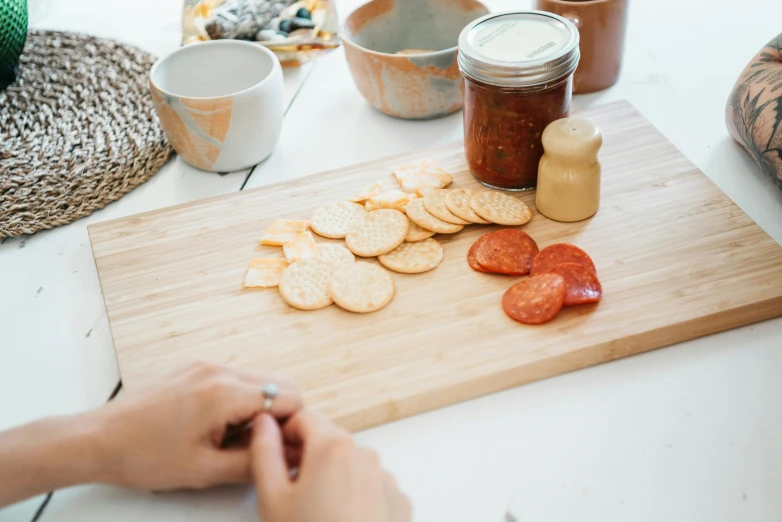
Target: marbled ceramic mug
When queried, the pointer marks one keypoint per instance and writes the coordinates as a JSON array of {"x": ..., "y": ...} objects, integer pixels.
[{"x": 220, "y": 103}]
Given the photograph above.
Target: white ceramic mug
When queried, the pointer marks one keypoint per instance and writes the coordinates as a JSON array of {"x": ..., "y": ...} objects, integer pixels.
[{"x": 220, "y": 103}]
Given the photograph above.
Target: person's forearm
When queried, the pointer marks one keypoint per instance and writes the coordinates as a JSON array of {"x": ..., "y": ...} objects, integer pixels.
[
  {"x": 754, "y": 110},
  {"x": 50, "y": 454}
]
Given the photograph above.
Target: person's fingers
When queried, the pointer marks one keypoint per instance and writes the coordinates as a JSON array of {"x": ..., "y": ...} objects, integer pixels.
[
  {"x": 234, "y": 436},
  {"x": 293, "y": 456},
  {"x": 247, "y": 401},
  {"x": 404, "y": 512},
  {"x": 285, "y": 386},
  {"x": 399, "y": 507},
  {"x": 286, "y": 403},
  {"x": 307, "y": 427},
  {"x": 228, "y": 466},
  {"x": 268, "y": 460},
  {"x": 262, "y": 379},
  {"x": 390, "y": 482},
  {"x": 288, "y": 400}
]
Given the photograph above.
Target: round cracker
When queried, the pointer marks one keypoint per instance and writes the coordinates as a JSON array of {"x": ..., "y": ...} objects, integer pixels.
[
  {"x": 334, "y": 220},
  {"x": 434, "y": 202},
  {"x": 500, "y": 208},
  {"x": 361, "y": 287},
  {"x": 458, "y": 202},
  {"x": 421, "y": 217},
  {"x": 416, "y": 233},
  {"x": 335, "y": 254},
  {"x": 413, "y": 258},
  {"x": 380, "y": 232},
  {"x": 304, "y": 284}
]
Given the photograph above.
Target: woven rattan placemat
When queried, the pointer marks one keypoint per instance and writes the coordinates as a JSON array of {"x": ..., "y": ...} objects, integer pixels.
[{"x": 78, "y": 130}]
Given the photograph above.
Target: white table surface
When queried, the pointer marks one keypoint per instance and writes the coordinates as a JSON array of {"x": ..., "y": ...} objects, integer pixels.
[{"x": 690, "y": 432}]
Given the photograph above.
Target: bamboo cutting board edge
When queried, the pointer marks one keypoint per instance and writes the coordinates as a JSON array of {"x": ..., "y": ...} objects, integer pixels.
[{"x": 561, "y": 364}]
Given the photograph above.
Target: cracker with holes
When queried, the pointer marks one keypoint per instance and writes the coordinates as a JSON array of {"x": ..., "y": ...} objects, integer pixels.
[
  {"x": 380, "y": 232},
  {"x": 367, "y": 192},
  {"x": 422, "y": 177},
  {"x": 335, "y": 254},
  {"x": 264, "y": 272},
  {"x": 334, "y": 220},
  {"x": 416, "y": 233},
  {"x": 421, "y": 217},
  {"x": 413, "y": 258},
  {"x": 302, "y": 246},
  {"x": 361, "y": 287},
  {"x": 283, "y": 230},
  {"x": 458, "y": 202},
  {"x": 394, "y": 199},
  {"x": 500, "y": 208},
  {"x": 434, "y": 202},
  {"x": 304, "y": 284}
]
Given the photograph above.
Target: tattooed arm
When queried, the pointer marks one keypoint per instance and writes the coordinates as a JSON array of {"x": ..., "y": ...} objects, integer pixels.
[{"x": 754, "y": 111}]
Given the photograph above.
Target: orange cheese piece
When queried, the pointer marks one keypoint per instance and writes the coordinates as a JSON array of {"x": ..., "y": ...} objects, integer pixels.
[
  {"x": 394, "y": 199},
  {"x": 283, "y": 230},
  {"x": 264, "y": 272},
  {"x": 423, "y": 177},
  {"x": 302, "y": 246},
  {"x": 367, "y": 192}
]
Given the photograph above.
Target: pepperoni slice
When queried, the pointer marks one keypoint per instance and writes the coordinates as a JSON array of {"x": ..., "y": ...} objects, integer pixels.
[
  {"x": 471, "y": 255},
  {"x": 581, "y": 284},
  {"x": 536, "y": 300},
  {"x": 508, "y": 251},
  {"x": 554, "y": 255}
]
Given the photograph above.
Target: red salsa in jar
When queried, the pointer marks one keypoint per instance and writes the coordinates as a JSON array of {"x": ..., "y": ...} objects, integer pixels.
[{"x": 518, "y": 68}]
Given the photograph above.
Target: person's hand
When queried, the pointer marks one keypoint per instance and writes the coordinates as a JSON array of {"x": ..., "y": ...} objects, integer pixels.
[
  {"x": 337, "y": 481},
  {"x": 170, "y": 436}
]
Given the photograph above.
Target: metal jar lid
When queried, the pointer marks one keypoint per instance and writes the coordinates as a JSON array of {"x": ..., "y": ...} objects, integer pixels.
[{"x": 518, "y": 48}]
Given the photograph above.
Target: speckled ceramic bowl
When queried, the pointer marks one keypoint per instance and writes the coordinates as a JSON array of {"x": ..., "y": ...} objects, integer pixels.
[{"x": 417, "y": 86}]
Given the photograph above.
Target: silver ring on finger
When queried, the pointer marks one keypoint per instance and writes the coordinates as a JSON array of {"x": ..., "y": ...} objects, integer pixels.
[{"x": 270, "y": 392}]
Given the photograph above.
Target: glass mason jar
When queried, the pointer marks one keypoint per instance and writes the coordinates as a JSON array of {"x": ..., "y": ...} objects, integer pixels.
[{"x": 518, "y": 69}]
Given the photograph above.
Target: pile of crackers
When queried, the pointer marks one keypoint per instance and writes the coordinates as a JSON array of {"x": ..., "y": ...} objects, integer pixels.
[{"x": 395, "y": 226}]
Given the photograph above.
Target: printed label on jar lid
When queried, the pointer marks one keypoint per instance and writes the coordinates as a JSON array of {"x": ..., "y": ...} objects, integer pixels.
[{"x": 519, "y": 40}]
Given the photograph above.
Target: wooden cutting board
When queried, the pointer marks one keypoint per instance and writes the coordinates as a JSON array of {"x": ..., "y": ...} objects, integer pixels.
[{"x": 677, "y": 259}]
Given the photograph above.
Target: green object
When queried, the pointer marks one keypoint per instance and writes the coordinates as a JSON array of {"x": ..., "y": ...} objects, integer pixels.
[{"x": 13, "y": 33}]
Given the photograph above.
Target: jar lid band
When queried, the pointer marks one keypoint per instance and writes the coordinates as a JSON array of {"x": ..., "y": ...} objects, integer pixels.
[{"x": 519, "y": 48}]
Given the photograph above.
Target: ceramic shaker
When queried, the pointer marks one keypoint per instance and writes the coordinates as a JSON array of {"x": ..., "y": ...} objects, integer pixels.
[{"x": 569, "y": 171}]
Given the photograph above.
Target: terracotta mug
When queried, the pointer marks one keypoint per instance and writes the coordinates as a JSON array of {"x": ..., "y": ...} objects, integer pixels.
[{"x": 601, "y": 25}]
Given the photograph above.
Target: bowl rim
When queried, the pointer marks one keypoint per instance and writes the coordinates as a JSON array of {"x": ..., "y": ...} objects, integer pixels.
[{"x": 347, "y": 37}]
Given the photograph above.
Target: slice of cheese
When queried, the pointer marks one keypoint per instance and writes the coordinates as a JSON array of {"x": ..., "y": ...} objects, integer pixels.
[
  {"x": 302, "y": 246},
  {"x": 264, "y": 272},
  {"x": 422, "y": 177},
  {"x": 283, "y": 230},
  {"x": 367, "y": 192},
  {"x": 394, "y": 199}
]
